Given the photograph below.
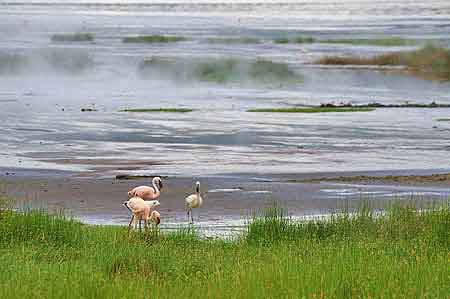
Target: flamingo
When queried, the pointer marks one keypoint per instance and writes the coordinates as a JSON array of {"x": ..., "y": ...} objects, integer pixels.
[
  {"x": 142, "y": 210},
  {"x": 147, "y": 192},
  {"x": 194, "y": 201},
  {"x": 155, "y": 217}
]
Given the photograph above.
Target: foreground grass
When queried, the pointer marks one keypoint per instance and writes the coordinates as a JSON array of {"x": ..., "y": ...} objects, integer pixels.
[
  {"x": 402, "y": 254},
  {"x": 153, "y": 39},
  {"x": 149, "y": 110},
  {"x": 313, "y": 109},
  {"x": 75, "y": 37},
  {"x": 430, "y": 62}
]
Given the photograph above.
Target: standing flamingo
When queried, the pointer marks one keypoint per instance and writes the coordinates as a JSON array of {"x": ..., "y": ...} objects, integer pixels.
[
  {"x": 194, "y": 201},
  {"x": 147, "y": 192},
  {"x": 142, "y": 210}
]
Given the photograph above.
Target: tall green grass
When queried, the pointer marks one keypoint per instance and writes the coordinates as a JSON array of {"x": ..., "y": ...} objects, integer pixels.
[{"x": 402, "y": 253}]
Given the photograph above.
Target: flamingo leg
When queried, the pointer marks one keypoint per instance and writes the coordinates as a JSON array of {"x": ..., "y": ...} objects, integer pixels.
[
  {"x": 140, "y": 225},
  {"x": 192, "y": 217},
  {"x": 131, "y": 221}
]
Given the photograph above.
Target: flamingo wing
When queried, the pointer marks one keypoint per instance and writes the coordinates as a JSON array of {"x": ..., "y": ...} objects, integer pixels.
[{"x": 136, "y": 205}]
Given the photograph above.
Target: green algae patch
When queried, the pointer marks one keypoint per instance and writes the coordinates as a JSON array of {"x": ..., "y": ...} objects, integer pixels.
[
  {"x": 386, "y": 42},
  {"x": 150, "y": 110},
  {"x": 73, "y": 37},
  {"x": 153, "y": 39},
  {"x": 312, "y": 110}
]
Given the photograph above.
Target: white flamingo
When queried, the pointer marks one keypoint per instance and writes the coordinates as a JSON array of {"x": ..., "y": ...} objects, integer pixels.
[
  {"x": 147, "y": 192},
  {"x": 193, "y": 201},
  {"x": 142, "y": 210}
]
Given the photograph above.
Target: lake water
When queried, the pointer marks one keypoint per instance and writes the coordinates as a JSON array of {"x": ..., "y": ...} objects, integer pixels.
[{"x": 44, "y": 85}]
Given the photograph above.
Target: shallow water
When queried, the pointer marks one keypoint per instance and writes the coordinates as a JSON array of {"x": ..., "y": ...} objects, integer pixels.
[{"x": 42, "y": 125}]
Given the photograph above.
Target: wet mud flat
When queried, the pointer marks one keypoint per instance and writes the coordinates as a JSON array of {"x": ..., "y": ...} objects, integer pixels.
[{"x": 230, "y": 201}]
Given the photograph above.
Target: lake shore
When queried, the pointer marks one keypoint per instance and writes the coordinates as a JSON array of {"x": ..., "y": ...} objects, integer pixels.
[{"x": 229, "y": 199}]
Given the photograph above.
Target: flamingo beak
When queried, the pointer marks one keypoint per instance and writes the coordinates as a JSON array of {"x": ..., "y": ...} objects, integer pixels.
[{"x": 160, "y": 184}]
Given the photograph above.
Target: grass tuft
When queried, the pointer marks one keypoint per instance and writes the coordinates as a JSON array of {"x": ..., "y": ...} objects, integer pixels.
[{"x": 153, "y": 39}]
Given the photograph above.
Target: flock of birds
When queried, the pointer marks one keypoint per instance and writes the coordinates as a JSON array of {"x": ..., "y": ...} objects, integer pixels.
[{"x": 144, "y": 199}]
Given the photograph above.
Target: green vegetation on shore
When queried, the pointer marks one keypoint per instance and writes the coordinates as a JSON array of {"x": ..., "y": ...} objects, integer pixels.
[
  {"x": 296, "y": 40},
  {"x": 384, "y": 41},
  {"x": 430, "y": 62},
  {"x": 226, "y": 70},
  {"x": 74, "y": 37},
  {"x": 313, "y": 109},
  {"x": 233, "y": 40},
  {"x": 168, "y": 110},
  {"x": 443, "y": 119},
  {"x": 153, "y": 39},
  {"x": 402, "y": 254}
]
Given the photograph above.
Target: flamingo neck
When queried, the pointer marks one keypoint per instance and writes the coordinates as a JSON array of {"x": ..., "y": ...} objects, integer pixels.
[{"x": 155, "y": 187}]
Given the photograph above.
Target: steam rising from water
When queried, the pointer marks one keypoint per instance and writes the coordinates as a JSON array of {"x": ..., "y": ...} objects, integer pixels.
[
  {"x": 68, "y": 61},
  {"x": 225, "y": 70}
]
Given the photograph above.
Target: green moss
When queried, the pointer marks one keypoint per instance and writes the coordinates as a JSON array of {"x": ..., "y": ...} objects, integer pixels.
[
  {"x": 153, "y": 39},
  {"x": 311, "y": 110},
  {"x": 75, "y": 37},
  {"x": 148, "y": 110}
]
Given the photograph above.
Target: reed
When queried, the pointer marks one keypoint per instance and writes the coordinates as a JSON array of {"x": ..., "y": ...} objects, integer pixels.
[{"x": 429, "y": 62}]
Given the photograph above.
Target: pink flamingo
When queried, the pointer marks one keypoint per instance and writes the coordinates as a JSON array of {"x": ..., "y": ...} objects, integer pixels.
[
  {"x": 147, "y": 192},
  {"x": 142, "y": 210}
]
